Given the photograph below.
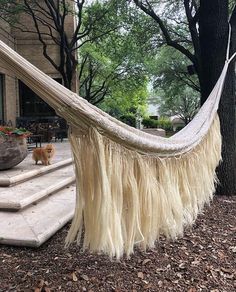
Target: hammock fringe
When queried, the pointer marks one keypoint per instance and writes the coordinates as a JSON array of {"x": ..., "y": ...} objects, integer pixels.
[{"x": 127, "y": 199}]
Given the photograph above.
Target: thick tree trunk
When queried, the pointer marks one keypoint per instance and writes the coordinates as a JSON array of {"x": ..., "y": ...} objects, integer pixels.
[
  {"x": 227, "y": 112},
  {"x": 213, "y": 28},
  {"x": 213, "y": 32}
]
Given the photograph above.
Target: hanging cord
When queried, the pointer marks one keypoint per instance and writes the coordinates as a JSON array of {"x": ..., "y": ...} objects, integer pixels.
[
  {"x": 229, "y": 59},
  {"x": 228, "y": 45}
]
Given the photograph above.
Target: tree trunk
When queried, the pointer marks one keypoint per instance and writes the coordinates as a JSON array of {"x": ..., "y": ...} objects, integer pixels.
[
  {"x": 227, "y": 112},
  {"x": 213, "y": 29},
  {"x": 213, "y": 33}
]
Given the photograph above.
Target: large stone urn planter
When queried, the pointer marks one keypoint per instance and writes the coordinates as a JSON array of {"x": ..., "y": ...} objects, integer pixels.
[{"x": 13, "y": 150}]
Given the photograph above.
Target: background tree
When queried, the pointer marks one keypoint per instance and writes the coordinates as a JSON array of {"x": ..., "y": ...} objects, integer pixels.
[
  {"x": 184, "y": 104},
  {"x": 178, "y": 92},
  {"x": 49, "y": 18},
  {"x": 105, "y": 38},
  {"x": 206, "y": 51},
  {"x": 113, "y": 67}
]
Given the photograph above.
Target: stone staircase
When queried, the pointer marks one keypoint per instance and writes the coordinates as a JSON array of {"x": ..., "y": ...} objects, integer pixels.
[{"x": 35, "y": 201}]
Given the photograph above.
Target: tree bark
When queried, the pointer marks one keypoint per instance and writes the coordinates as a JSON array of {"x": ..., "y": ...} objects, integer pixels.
[
  {"x": 213, "y": 29},
  {"x": 227, "y": 112},
  {"x": 213, "y": 35}
]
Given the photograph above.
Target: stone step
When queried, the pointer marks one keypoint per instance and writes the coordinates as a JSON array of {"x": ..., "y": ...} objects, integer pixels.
[
  {"x": 7, "y": 179},
  {"x": 31, "y": 191},
  {"x": 34, "y": 225}
]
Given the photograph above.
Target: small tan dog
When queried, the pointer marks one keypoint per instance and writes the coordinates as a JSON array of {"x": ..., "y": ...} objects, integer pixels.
[{"x": 44, "y": 154}]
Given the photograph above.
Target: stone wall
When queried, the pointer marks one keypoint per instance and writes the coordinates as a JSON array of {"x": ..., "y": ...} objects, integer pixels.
[
  {"x": 11, "y": 108},
  {"x": 27, "y": 45}
]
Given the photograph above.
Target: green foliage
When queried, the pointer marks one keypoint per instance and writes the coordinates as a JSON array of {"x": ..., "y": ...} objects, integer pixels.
[
  {"x": 17, "y": 132},
  {"x": 184, "y": 104},
  {"x": 170, "y": 68},
  {"x": 179, "y": 128},
  {"x": 165, "y": 123},
  {"x": 162, "y": 122},
  {"x": 128, "y": 119},
  {"x": 178, "y": 92},
  {"x": 113, "y": 72},
  {"x": 149, "y": 123},
  {"x": 10, "y": 10},
  {"x": 129, "y": 98}
]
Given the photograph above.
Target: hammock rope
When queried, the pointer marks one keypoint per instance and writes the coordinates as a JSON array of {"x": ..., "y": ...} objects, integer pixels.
[{"x": 132, "y": 187}]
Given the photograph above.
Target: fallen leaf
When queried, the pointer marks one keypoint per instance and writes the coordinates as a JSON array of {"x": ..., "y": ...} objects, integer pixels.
[
  {"x": 179, "y": 275},
  {"x": 182, "y": 266},
  {"x": 229, "y": 276},
  {"x": 74, "y": 277},
  {"x": 146, "y": 261},
  {"x": 40, "y": 283},
  {"x": 195, "y": 263},
  {"x": 214, "y": 274},
  {"x": 6, "y": 255},
  {"x": 140, "y": 275},
  {"x": 159, "y": 270},
  {"x": 85, "y": 277},
  {"x": 226, "y": 270},
  {"x": 221, "y": 255},
  {"x": 26, "y": 275},
  {"x": 160, "y": 283},
  {"x": 192, "y": 289},
  {"x": 148, "y": 286},
  {"x": 233, "y": 248}
]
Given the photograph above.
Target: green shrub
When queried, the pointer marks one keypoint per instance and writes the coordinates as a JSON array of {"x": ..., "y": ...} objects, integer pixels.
[
  {"x": 149, "y": 123},
  {"x": 129, "y": 119},
  {"x": 165, "y": 123},
  {"x": 179, "y": 128}
]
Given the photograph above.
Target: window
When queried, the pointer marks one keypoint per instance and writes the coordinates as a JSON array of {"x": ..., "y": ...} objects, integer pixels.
[
  {"x": 31, "y": 105},
  {"x": 1, "y": 98}
]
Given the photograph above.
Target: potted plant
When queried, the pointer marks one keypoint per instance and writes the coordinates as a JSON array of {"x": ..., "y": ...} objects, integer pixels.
[{"x": 13, "y": 146}]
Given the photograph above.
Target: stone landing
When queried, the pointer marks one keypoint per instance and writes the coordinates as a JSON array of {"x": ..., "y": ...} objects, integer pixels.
[{"x": 36, "y": 200}]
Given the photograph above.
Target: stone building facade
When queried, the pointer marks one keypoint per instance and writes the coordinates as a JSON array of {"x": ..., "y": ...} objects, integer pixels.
[
  {"x": 16, "y": 99},
  {"x": 9, "y": 101}
]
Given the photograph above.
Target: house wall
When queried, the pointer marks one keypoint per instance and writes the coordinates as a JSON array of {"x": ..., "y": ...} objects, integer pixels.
[
  {"x": 27, "y": 45},
  {"x": 10, "y": 90}
]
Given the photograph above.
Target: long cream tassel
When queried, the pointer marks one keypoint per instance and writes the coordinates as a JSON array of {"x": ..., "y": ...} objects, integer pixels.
[{"x": 125, "y": 198}]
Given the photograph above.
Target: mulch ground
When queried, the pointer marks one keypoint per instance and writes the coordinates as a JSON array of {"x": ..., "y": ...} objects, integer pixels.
[{"x": 203, "y": 260}]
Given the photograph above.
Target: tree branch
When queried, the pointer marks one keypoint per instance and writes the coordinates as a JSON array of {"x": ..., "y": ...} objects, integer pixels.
[{"x": 149, "y": 11}]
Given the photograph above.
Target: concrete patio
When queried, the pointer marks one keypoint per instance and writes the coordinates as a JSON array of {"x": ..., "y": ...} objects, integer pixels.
[{"x": 36, "y": 200}]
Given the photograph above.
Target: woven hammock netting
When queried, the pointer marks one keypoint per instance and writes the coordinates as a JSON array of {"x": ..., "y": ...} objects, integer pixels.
[{"x": 131, "y": 187}]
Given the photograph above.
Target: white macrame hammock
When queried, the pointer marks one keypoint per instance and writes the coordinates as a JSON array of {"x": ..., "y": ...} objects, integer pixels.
[{"x": 131, "y": 186}]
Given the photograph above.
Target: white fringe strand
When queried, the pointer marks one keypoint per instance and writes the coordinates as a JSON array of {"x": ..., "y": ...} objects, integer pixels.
[{"x": 125, "y": 198}]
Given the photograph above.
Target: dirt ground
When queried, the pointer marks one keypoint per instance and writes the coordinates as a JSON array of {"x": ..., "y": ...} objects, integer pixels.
[{"x": 203, "y": 260}]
